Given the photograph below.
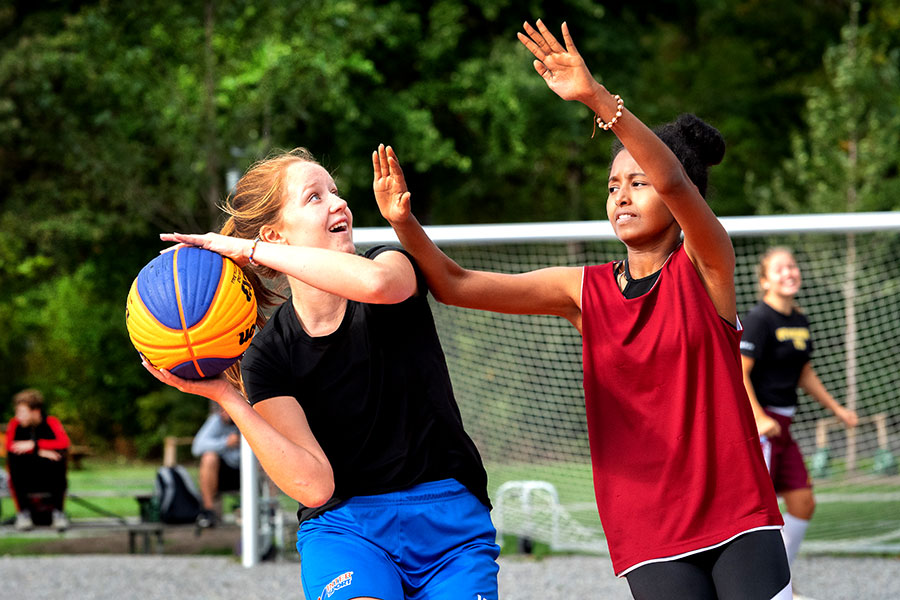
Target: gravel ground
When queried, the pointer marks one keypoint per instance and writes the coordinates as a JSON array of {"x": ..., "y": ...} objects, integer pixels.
[{"x": 89, "y": 577}]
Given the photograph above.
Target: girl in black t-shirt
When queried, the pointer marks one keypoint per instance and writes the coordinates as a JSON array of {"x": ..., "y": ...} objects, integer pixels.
[
  {"x": 347, "y": 400},
  {"x": 775, "y": 352}
]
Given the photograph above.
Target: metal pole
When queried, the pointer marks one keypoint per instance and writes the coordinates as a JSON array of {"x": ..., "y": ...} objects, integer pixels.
[{"x": 249, "y": 506}]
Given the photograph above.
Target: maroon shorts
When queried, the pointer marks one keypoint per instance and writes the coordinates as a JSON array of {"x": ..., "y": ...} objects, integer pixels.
[{"x": 783, "y": 458}]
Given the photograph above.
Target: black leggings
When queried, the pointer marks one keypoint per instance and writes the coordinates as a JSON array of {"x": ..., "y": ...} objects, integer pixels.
[{"x": 753, "y": 566}]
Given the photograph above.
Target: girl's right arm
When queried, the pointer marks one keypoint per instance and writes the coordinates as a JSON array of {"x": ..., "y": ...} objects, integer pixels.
[
  {"x": 551, "y": 291},
  {"x": 388, "y": 279},
  {"x": 278, "y": 433},
  {"x": 765, "y": 425}
]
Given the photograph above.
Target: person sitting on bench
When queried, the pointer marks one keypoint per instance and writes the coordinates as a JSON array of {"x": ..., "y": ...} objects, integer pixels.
[
  {"x": 218, "y": 445},
  {"x": 36, "y": 446}
]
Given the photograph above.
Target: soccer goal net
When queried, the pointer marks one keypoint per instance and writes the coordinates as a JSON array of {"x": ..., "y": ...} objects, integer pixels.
[{"x": 518, "y": 379}]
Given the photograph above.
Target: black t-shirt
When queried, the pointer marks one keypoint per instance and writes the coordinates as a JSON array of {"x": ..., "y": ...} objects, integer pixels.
[
  {"x": 780, "y": 346},
  {"x": 376, "y": 393}
]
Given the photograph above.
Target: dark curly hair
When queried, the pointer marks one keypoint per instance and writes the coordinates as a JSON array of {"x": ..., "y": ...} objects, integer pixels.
[{"x": 696, "y": 143}]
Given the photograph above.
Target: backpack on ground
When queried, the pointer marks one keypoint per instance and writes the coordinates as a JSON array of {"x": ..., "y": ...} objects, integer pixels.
[{"x": 179, "y": 501}]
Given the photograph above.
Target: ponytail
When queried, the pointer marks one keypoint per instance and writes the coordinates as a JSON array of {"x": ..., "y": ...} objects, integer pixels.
[
  {"x": 256, "y": 202},
  {"x": 266, "y": 297}
]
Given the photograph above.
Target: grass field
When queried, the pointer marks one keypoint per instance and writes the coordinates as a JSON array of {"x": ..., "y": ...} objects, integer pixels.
[{"x": 860, "y": 507}]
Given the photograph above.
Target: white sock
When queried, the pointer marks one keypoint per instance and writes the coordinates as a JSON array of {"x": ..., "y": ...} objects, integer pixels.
[{"x": 793, "y": 532}]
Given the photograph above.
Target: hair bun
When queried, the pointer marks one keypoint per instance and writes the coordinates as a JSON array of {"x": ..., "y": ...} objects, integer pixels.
[{"x": 704, "y": 139}]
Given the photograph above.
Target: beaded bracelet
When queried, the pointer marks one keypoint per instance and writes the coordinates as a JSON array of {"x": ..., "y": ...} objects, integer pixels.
[
  {"x": 598, "y": 122},
  {"x": 256, "y": 240}
]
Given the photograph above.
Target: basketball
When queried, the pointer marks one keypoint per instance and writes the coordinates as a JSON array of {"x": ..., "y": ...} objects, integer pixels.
[{"x": 191, "y": 311}]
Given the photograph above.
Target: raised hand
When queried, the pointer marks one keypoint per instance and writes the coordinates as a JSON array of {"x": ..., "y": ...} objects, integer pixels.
[
  {"x": 389, "y": 185},
  {"x": 562, "y": 68},
  {"x": 237, "y": 249}
]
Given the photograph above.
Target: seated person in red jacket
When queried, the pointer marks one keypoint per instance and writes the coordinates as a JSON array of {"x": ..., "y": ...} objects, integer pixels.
[{"x": 36, "y": 446}]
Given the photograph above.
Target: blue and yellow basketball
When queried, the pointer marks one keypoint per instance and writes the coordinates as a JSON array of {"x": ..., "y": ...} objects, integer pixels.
[{"x": 191, "y": 311}]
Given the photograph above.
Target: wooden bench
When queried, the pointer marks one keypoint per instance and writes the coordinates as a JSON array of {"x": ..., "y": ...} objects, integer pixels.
[
  {"x": 150, "y": 532},
  {"x": 151, "y": 535}
]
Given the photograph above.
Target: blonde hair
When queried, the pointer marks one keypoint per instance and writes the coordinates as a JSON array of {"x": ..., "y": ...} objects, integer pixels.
[{"x": 257, "y": 201}]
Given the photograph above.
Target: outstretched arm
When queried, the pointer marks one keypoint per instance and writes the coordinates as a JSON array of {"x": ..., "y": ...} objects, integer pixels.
[
  {"x": 553, "y": 291},
  {"x": 388, "y": 279},
  {"x": 277, "y": 431},
  {"x": 706, "y": 241}
]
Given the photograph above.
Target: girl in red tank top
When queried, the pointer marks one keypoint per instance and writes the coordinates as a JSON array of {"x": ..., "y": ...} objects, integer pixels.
[{"x": 681, "y": 486}]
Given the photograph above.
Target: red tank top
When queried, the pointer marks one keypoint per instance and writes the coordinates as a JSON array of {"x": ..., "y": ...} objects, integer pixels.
[{"x": 676, "y": 459}]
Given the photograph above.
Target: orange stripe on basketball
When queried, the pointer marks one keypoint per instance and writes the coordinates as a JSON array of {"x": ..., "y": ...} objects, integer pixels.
[{"x": 187, "y": 338}]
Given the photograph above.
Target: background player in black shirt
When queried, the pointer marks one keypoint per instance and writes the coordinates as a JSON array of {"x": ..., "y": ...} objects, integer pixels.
[{"x": 775, "y": 351}]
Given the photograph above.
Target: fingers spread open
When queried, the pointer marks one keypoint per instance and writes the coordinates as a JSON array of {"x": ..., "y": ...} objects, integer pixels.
[
  {"x": 551, "y": 42},
  {"x": 567, "y": 38},
  {"x": 532, "y": 47}
]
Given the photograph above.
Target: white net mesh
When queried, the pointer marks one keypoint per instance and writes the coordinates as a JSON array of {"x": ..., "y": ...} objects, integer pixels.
[{"x": 518, "y": 382}]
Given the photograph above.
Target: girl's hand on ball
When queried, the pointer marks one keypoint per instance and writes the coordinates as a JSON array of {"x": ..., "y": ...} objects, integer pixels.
[
  {"x": 237, "y": 249},
  {"x": 213, "y": 388}
]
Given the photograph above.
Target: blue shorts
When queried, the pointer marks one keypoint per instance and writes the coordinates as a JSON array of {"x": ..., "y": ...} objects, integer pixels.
[{"x": 433, "y": 541}]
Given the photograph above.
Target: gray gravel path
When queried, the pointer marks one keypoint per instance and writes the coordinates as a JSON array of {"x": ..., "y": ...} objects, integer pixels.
[{"x": 89, "y": 577}]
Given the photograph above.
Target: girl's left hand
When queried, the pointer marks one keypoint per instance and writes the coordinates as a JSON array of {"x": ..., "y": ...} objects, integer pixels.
[
  {"x": 562, "y": 68},
  {"x": 849, "y": 417},
  {"x": 237, "y": 249}
]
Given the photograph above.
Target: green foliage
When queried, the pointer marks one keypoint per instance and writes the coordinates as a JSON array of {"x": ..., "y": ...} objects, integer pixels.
[
  {"x": 848, "y": 157},
  {"x": 166, "y": 412},
  {"x": 120, "y": 120}
]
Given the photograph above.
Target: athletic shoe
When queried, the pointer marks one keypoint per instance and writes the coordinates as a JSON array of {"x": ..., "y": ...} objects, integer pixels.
[
  {"x": 206, "y": 519},
  {"x": 23, "y": 521},
  {"x": 60, "y": 521}
]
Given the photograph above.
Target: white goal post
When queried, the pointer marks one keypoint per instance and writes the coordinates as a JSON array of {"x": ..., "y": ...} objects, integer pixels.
[
  {"x": 581, "y": 231},
  {"x": 518, "y": 379}
]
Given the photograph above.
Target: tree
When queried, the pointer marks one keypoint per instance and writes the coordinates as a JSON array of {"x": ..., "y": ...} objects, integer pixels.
[
  {"x": 121, "y": 120},
  {"x": 848, "y": 157}
]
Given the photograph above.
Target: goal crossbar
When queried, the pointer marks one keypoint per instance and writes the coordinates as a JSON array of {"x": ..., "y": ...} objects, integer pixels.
[{"x": 567, "y": 231}]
